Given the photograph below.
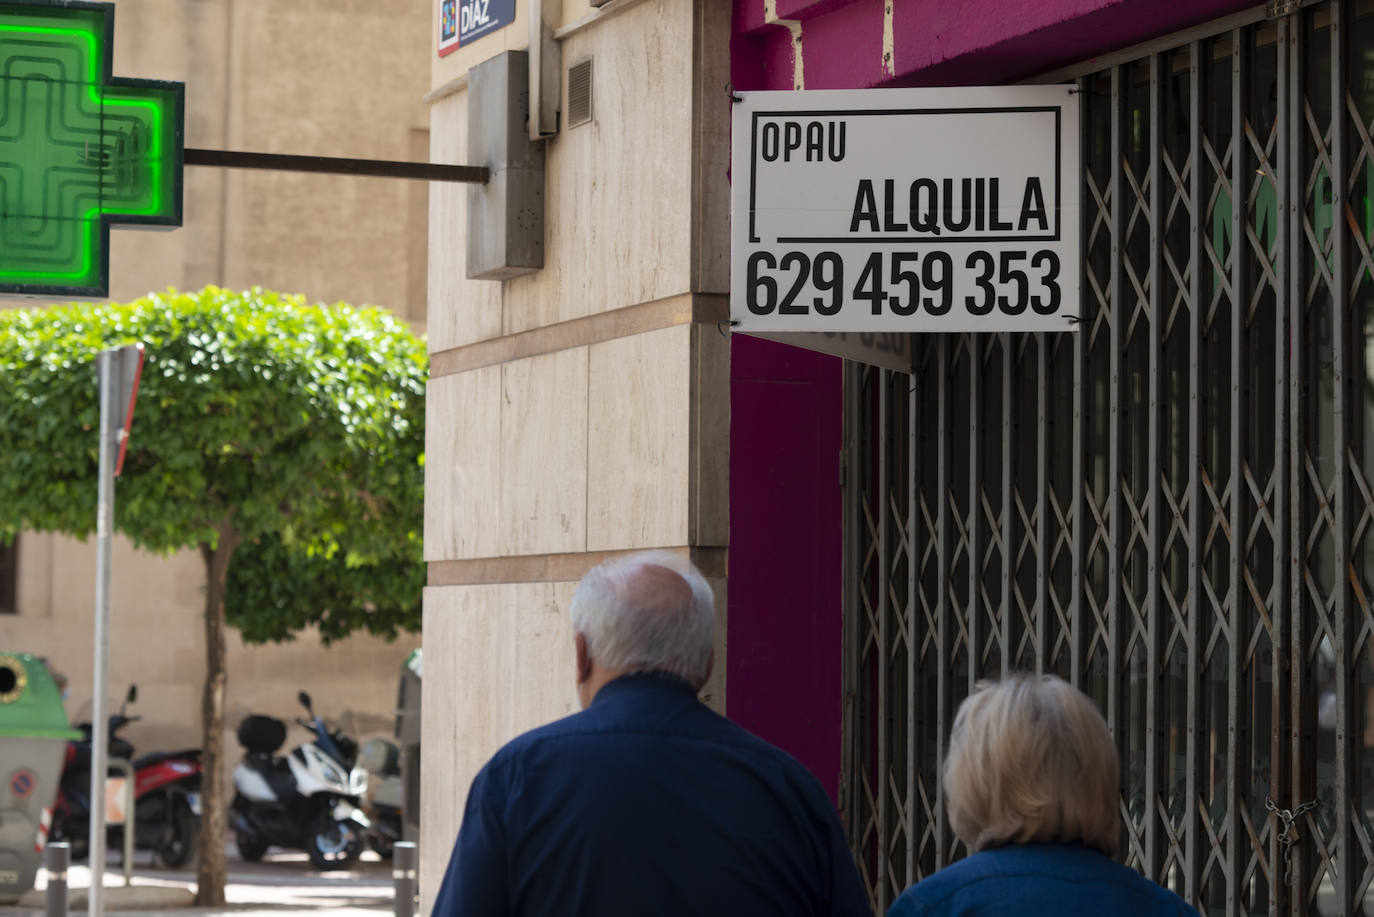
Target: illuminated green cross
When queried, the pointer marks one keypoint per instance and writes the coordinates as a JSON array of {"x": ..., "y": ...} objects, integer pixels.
[{"x": 79, "y": 150}]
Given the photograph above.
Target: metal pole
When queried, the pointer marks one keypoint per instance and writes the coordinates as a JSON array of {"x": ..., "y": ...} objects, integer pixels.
[
  {"x": 130, "y": 825},
  {"x": 58, "y": 856},
  {"x": 104, "y": 523},
  {"x": 405, "y": 860}
]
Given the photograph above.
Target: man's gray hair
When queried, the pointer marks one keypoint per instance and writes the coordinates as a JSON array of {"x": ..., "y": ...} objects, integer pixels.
[{"x": 666, "y": 633}]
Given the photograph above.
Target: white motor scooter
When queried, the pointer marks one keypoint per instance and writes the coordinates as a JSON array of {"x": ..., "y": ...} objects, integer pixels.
[{"x": 309, "y": 799}]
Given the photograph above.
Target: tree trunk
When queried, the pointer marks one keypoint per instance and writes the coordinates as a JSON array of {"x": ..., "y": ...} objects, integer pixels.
[{"x": 212, "y": 869}]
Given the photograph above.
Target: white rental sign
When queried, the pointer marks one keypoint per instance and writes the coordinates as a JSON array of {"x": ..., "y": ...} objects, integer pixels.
[{"x": 905, "y": 210}]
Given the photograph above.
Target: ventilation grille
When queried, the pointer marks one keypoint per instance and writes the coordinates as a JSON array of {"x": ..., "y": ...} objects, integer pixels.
[{"x": 580, "y": 93}]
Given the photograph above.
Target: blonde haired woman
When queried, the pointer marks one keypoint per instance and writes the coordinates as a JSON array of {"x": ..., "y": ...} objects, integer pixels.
[{"x": 1031, "y": 786}]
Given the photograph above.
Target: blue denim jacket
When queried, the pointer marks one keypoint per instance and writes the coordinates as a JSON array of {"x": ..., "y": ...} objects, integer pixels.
[{"x": 1038, "y": 880}]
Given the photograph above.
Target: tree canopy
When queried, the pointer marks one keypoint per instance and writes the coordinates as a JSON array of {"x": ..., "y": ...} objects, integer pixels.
[
  {"x": 302, "y": 424},
  {"x": 274, "y": 592}
]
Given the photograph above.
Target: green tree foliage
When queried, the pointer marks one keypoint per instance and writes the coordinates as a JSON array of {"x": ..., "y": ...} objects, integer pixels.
[
  {"x": 256, "y": 409},
  {"x": 275, "y": 592},
  {"x": 282, "y": 440}
]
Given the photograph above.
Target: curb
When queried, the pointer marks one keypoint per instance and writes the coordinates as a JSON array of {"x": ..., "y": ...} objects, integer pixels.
[{"x": 121, "y": 898}]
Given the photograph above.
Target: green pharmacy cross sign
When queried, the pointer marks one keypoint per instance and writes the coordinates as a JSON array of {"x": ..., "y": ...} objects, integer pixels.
[{"x": 79, "y": 149}]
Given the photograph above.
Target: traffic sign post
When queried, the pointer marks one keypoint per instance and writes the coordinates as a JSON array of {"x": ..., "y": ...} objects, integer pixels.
[
  {"x": 118, "y": 372},
  {"x": 905, "y": 210},
  {"x": 128, "y": 371}
]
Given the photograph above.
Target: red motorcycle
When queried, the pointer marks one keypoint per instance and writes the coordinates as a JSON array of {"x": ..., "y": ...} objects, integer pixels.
[{"x": 166, "y": 814}]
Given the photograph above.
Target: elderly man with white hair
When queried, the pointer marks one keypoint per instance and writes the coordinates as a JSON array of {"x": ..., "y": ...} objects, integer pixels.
[{"x": 647, "y": 802}]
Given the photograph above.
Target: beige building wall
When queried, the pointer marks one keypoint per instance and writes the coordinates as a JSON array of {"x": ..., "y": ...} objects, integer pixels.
[
  {"x": 320, "y": 77},
  {"x": 582, "y": 410},
  {"x": 157, "y": 641},
  {"x": 314, "y": 77}
]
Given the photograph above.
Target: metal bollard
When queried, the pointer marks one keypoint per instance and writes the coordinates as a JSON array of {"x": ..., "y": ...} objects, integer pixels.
[
  {"x": 405, "y": 860},
  {"x": 57, "y": 858}
]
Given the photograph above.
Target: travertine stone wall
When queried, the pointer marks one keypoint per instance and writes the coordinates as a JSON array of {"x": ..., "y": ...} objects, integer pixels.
[
  {"x": 583, "y": 449},
  {"x": 582, "y": 410},
  {"x": 501, "y": 650}
]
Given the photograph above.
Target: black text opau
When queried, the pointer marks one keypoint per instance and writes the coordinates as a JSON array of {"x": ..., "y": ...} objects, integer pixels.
[{"x": 814, "y": 141}]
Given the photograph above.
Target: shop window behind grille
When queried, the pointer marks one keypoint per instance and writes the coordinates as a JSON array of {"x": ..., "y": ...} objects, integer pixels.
[{"x": 1172, "y": 507}]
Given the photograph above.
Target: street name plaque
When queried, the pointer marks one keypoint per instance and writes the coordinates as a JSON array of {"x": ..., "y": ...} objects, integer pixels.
[{"x": 80, "y": 150}]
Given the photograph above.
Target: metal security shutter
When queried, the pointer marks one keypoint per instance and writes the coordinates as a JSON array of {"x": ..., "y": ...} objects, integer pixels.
[{"x": 1174, "y": 507}]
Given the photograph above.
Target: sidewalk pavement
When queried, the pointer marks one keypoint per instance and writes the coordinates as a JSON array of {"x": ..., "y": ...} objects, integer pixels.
[{"x": 280, "y": 882}]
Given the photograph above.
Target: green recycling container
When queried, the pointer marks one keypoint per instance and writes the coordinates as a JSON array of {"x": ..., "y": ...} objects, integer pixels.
[{"x": 33, "y": 740}]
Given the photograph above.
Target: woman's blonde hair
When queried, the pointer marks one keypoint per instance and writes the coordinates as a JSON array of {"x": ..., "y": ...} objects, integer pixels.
[{"x": 1030, "y": 759}]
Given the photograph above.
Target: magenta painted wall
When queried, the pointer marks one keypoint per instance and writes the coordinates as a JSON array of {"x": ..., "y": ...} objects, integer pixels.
[
  {"x": 783, "y": 633},
  {"x": 965, "y": 42}
]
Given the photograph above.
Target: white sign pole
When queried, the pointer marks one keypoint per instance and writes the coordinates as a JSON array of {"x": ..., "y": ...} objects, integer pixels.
[{"x": 100, "y": 725}]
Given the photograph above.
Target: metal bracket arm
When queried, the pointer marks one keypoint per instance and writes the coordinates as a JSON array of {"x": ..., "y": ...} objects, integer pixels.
[{"x": 333, "y": 165}]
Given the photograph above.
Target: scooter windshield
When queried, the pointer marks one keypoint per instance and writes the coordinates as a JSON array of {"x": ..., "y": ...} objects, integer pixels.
[{"x": 326, "y": 741}]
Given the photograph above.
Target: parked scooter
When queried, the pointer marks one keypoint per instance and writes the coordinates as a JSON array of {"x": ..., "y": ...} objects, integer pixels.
[
  {"x": 166, "y": 812},
  {"x": 385, "y": 794},
  {"x": 309, "y": 799}
]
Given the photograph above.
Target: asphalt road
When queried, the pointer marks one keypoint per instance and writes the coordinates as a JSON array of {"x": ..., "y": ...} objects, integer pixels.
[{"x": 281, "y": 882}]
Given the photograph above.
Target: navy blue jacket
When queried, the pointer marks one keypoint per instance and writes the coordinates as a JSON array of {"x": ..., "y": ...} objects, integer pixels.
[
  {"x": 1038, "y": 880},
  {"x": 648, "y": 803}
]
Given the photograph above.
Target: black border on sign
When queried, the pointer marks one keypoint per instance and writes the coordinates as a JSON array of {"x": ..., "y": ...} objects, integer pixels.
[
  {"x": 753, "y": 168},
  {"x": 1056, "y": 110}
]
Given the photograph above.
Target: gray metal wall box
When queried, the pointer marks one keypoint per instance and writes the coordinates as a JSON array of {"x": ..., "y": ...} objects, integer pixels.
[{"x": 506, "y": 215}]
